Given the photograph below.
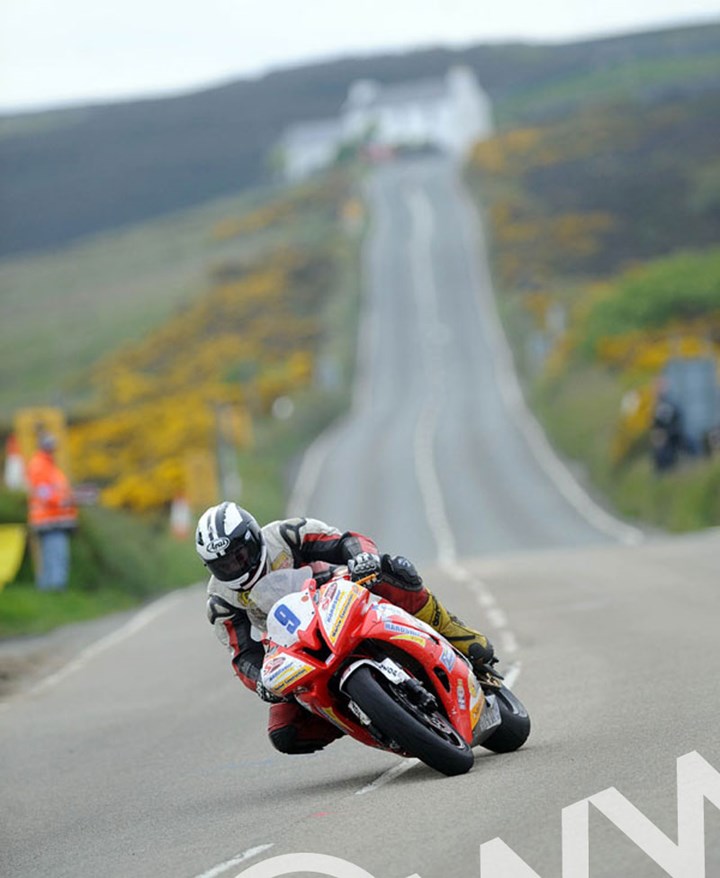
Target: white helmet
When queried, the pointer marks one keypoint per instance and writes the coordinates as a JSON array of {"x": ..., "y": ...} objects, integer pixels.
[{"x": 231, "y": 545}]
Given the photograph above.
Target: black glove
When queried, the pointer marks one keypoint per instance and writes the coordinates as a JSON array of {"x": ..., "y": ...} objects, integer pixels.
[
  {"x": 267, "y": 695},
  {"x": 363, "y": 565}
]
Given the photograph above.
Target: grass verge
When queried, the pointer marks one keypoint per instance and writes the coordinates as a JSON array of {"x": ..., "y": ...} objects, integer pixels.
[
  {"x": 579, "y": 409},
  {"x": 117, "y": 561}
]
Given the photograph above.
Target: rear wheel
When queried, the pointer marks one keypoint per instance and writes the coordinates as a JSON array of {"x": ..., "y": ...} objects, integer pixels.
[
  {"x": 427, "y": 735},
  {"x": 515, "y": 727}
]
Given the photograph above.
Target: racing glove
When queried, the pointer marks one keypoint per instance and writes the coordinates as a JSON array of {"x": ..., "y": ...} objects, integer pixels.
[
  {"x": 398, "y": 570},
  {"x": 363, "y": 565},
  {"x": 267, "y": 695},
  {"x": 393, "y": 568}
]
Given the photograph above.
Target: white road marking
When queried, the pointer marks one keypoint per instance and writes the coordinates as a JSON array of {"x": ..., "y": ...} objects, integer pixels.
[
  {"x": 235, "y": 861},
  {"x": 497, "y": 618},
  {"x": 388, "y": 775},
  {"x": 512, "y": 674},
  {"x": 132, "y": 626},
  {"x": 433, "y": 351},
  {"x": 427, "y": 474},
  {"x": 508, "y": 643},
  {"x": 317, "y": 864}
]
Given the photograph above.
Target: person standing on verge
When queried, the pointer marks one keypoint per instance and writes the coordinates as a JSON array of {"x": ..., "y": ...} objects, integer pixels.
[
  {"x": 52, "y": 515},
  {"x": 666, "y": 435}
]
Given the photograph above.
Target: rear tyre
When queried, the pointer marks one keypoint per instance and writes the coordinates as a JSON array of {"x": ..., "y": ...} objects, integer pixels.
[
  {"x": 515, "y": 727},
  {"x": 429, "y": 737}
]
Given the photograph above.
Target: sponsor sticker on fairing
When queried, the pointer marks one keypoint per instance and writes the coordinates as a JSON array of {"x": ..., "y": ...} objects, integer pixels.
[
  {"x": 448, "y": 657},
  {"x": 328, "y": 596},
  {"x": 461, "y": 696},
  {"x": 273, "y": 664},
  {"x": 336, "y": 613},
  {"x": 342, "y": 611},
  {"x": 282, "y": 684},
  {"x": 282, "y": 671},
  {"x": 400, "y": 629},
  {"x": 413, "y": 638}
]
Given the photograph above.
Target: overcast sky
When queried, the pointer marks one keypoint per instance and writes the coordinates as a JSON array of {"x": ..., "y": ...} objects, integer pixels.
[{"x": 71, "y": 51}]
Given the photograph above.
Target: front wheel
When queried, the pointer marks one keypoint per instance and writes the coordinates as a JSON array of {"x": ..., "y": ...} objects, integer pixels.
[
  {"x": 428, "y": 736},
  {"x": 515, "y": 727}
]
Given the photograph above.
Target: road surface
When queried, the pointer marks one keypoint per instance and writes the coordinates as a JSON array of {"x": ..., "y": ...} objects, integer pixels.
[{"x": 146, "y": 758}]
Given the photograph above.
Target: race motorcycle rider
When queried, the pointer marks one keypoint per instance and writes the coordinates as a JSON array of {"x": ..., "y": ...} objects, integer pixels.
[{"x": 238, "y": 552}]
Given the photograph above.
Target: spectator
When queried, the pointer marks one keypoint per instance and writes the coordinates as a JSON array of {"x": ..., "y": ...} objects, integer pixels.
[
  {"x": 666, "y": 433},
  {"x": 51, "y": 515}
]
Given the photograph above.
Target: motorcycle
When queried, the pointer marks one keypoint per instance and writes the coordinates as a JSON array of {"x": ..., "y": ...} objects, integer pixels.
[{"x": 379, "y": 674}]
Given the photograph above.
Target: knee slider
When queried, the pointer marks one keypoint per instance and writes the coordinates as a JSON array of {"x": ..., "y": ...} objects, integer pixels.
[{"x": 286, "y": 740}]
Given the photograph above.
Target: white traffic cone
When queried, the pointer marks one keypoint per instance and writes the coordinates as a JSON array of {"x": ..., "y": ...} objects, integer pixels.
[
  {"x": 180, "y": 518},
  {"x": 14, "y": 475}
]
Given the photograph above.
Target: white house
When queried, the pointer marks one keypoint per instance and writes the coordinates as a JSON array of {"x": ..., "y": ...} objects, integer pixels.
[{"x": 450, "y": 114}]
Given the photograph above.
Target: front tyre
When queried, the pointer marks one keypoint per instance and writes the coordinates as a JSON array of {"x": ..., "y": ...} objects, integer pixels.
[
  {"x": 428, "y": 736},
  {"x": 515, "y": 727}
]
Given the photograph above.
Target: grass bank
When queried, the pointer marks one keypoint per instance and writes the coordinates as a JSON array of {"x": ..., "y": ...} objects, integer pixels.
[
  {"x": 117, "y": 561},
  {"x": 579, "y": 411}
]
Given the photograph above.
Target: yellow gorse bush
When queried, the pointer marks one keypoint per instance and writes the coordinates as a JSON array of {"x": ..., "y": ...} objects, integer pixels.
[
  {"x": 526, "y": 243},
  {"x": 243, "y": 344},
  {"x": 516, "y": 150}
]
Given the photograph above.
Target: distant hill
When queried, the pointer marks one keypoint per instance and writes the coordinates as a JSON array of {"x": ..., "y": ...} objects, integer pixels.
[{"x": 68, "y": 174}]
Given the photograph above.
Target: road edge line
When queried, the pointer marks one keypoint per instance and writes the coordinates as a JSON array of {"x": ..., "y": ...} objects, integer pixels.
[{"x": 512, "y": 394}]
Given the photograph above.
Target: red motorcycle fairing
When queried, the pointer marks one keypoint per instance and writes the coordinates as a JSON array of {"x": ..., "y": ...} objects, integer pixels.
[{"x": 316, "y": 634}]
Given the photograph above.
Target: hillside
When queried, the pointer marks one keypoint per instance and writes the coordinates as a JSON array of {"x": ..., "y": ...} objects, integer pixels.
[
  {"x": 68, "y": 174},
  {"x": 586, "y": 195}
]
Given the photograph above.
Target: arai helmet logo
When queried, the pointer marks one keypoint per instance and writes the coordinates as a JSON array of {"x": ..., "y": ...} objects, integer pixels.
[{"x": 219, "y": 545}]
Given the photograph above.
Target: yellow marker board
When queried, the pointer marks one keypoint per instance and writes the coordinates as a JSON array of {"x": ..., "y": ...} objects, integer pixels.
[
  {"x": 201, "y": 480},
  {"x": 12, "y": 549}
]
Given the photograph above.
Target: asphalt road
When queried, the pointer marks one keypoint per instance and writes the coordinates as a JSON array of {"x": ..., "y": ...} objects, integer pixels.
[{"x": 146, "y": 758}]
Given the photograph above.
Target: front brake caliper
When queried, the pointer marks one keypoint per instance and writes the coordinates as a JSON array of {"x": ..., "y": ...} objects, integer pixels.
[{"x": 418, "y": 695}]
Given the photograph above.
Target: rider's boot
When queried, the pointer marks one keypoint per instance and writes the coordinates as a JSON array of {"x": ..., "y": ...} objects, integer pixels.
[{"x": 468, "y": 641}]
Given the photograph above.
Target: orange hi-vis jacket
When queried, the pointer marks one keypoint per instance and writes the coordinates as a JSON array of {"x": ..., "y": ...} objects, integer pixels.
[{"x": 51, "y": 503}]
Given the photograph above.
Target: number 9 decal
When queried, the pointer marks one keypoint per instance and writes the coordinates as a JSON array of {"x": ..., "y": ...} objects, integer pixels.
[{"x": 287, "y": 618}]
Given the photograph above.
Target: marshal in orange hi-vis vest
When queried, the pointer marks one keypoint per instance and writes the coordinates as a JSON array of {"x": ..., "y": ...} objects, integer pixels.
[{"x": 51, "y": 502}]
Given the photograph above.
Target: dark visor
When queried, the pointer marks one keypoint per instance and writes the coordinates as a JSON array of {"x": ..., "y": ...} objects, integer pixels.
[{"x": 243, "y": 559}]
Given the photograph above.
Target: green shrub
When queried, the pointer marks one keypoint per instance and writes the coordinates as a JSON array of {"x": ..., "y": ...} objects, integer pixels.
[
  {"x": 117, "y": 561},
  {"x": 684, "y": 286}
]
